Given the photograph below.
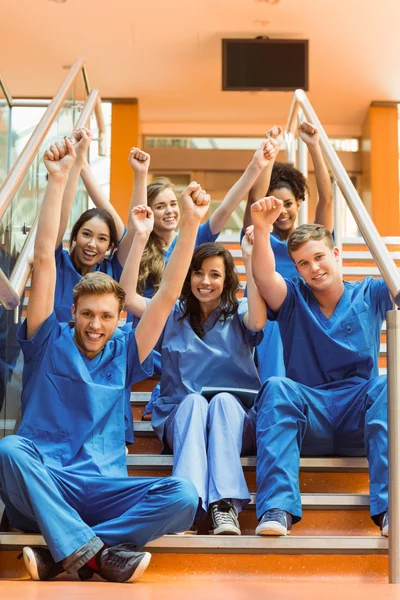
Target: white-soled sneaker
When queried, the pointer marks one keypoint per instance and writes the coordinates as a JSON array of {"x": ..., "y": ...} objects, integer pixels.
[{"x": 275, "y": 522}]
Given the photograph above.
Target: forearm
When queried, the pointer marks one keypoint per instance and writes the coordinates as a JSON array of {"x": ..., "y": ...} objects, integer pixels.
[
  {"x": 324, "y": 209},
  {"x": 270, "y": 284},
  {"x": 46, "y": 239},
  {"x": 68, "y": 199},
  {"x": 257, "y": 191},
  {"x": 134, "y": 303},
  {"x": 139, "y": 190},
  {"x": 139, "y": 196},
  {"x": 179, "y": 263},
  {"x": 99, "y": 198},
  {"x": 233, "y": 198},
  {"x": 256, "y": 316}
]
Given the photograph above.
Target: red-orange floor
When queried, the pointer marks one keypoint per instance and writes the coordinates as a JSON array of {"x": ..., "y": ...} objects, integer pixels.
[{"x": 234, "y": 590}]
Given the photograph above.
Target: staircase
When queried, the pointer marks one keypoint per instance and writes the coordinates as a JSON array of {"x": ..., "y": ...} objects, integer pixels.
[{"x": 336, "y": 538}]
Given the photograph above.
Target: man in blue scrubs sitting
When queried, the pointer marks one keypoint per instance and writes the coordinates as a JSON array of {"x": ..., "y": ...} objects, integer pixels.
[
  {"x": 64, "y": 473},
  {"x": 332, "y": 401}
]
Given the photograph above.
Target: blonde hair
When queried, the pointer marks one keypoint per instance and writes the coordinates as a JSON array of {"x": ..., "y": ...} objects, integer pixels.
[
  {"x": 304, "y": 233},
  {"x": 98, "y": 283},
  {"x": 153, "y": 260}
]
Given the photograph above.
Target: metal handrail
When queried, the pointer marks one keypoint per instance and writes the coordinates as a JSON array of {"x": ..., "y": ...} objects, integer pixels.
[
  {"x": 22, "y": 269},
  {"x": 380, "y": 253},
  {"x": 6, "y": 93},
  {"x": 25, "y": 159}
]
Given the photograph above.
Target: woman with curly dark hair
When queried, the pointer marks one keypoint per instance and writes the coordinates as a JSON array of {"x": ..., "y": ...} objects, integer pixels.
[
  {"x": 207, "y": 342},
  {"x": 284, "y": 181}
]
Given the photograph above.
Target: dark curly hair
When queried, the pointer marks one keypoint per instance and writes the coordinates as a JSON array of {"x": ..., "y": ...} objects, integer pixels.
[
  {"x": 285, "y": 175},
  {"x": 229, "y": 303}
]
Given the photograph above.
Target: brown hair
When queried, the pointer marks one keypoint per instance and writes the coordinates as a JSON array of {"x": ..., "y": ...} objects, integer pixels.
[
  {"x": 304, "y": 233},
  {"x": 285, "y": 175},
  {"x": 152, "y": 263},
  {"x": 98, "y": 283},
  {"x": 229, "y": 303}
]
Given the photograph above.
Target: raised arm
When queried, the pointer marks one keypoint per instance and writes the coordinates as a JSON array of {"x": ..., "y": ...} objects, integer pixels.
[
  {"x": 140, "y": 162},
  {"x": 59, "y": 159},
  {"x": 99, "y": 198},
  {"x": 262, "y": 157},
  {"x": 256, "y": 316},
  {"x": 152, "y": 323},
  {"x": 141, "y": 221},
  {"x": 261, "y": 185},
  {"x": 271, "y": 284},
  {"x": 324, "y": 210},
  {"x": 82, "y": 138}
]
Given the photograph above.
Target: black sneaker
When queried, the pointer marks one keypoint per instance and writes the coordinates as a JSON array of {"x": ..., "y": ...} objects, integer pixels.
[
  {"x": 385, "y": 525},
  {"x": 40, "y": 564},
  {"x": 122, "y": 564},
  {"x": 224, "y": 519},
  {"x": 275, "y": 522}
]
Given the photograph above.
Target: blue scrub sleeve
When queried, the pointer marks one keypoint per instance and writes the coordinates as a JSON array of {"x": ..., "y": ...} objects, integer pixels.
[
  {"x": 380, "y": 297},
  {"x": 135, "y": 370},
  {"x": 34, "y": 348},
  {"x": 288, "y": 304},
  {"x": 253, "y": 338},
  {"x": 58, "y": 252},
  {"x": 204, "y": 234}
]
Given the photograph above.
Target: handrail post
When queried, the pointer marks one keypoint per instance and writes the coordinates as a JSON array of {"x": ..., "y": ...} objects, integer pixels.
[
  {"x": 393, "y": 371},
  {"x": 303, "y": 168},
  {"x": 338, "y": 218}
]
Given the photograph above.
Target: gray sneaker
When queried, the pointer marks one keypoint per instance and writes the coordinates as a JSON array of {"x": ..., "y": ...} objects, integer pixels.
[
  {"x": 122, "y": 563},
  {"x": 40, "y": 564},
  {"x": 224, "y": 519}
]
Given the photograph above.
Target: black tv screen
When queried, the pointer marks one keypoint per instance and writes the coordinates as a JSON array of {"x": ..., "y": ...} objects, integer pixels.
[{"x": 264, "y": 64}]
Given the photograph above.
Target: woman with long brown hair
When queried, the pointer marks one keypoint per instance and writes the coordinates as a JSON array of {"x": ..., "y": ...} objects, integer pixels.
[{"x": 207, "y": 342}]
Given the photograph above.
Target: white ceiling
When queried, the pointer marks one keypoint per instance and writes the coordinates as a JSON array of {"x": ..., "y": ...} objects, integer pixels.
[{"x": 167, "y": 53}]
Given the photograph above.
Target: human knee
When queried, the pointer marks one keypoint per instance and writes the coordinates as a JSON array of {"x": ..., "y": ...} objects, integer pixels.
[
  {"x": 194, "y": 403},
  {"x": 14, "y": 448},
  {"x": 278, "y": 392},
  {"x": 185, "y": 492}
]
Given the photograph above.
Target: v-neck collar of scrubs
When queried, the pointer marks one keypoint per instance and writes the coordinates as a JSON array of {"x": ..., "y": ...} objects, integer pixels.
[{"x": 316, "y": 309}]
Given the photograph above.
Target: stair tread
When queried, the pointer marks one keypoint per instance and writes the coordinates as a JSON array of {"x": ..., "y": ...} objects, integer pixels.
[
  {"x": 329, "y": 463},
  {"x": 237, "y": 544}
]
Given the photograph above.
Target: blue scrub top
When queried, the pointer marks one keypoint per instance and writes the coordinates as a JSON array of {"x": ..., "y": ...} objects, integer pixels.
[
  {"x": 72, "y": 407},
  {"x": 284, "y": 264},
  {"x": 68, "y": 277},
  {"x": 222, "y": 358},
  {"x": 318, "y": 350}
]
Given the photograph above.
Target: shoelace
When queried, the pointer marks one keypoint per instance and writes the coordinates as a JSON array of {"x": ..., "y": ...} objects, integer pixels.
[
  {"x": 117, "y": 559},
  {"x": 223, "y": 515},
  {"x": 273, "y": 514}
]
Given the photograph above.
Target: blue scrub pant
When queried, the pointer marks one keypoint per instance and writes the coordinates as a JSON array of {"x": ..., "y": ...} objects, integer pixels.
[
  {"x": 347, "y": 418},
  {"x": 70, "y": 509},
  {"x": 207, "y": 440}
]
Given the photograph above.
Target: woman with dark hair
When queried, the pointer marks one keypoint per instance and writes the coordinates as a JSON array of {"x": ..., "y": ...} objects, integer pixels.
[
  {"x": 285, "y": 182},
  {"x": 207, "y": 342},
  {"x": 96, "y": 233}
]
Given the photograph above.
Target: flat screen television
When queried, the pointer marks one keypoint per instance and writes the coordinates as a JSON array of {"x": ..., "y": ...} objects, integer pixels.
[{"x": 264, "y": 64}]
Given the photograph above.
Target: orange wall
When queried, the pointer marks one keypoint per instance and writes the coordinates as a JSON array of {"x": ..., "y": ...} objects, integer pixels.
[
  {"x": 124, "y": 135},
  {"x": 384, "y": 168}
]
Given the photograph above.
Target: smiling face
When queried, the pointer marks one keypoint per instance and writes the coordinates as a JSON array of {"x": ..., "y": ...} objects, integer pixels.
[
  {"x": 166, "y": 212},
  {"x": 96, "y": 317},
  {"x": 207, "y": 283},
  {"x": 91, "y": 244},
  {"x": 318, "y": 264},
  {"x": 286, "y": 221}
]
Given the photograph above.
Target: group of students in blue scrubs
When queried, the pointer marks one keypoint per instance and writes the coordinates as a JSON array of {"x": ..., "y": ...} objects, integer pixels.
[{"x": 315, "y": 370}]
